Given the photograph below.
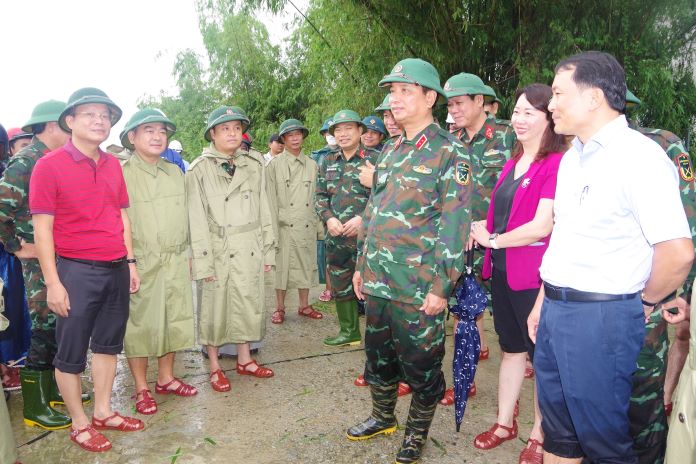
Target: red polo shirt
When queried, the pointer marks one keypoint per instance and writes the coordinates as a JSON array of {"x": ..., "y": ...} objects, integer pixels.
[{"x": 85, "y": 199}]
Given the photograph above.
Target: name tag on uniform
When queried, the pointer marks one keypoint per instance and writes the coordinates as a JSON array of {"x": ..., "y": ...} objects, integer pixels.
[
  {"x": 382, "y": 166},
  {"x": 422, "y": 169}
]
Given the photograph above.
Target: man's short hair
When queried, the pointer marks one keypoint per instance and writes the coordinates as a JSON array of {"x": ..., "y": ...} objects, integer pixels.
[
  {"x": 599, "y": 70},
  {"x": 275, "y": 138}
]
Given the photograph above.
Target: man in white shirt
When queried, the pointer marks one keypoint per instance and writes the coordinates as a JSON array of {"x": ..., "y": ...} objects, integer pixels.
[
  {"x": 620, "y": 245},
  {"x": 275, "y": 148}
]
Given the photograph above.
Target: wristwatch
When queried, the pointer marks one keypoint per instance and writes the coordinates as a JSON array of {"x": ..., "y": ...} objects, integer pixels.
[
  {"x": 492, "y": 240},
  {"x": 647, "y": 303}
]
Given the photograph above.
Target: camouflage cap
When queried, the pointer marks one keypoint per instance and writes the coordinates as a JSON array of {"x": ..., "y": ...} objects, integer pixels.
[
  {"x": 325, "y": 126},
  {"x": 466, "y": 84},
  {"x": 385, "y": 106},
  {"x": 346, "y": 116},
  {"x": 226, "y": 114},
  {"x": 290, "y": 125},
  {"x": 15, "y": 133},
  {"x": 631, "y": 100},
  {"x": 85, "y": 96},
  {"x": 374, "y": 123},
  {"x": 48, "y": 111},
  {"x": 145, "y": 116},
  {"x": 414, "y": 71}
]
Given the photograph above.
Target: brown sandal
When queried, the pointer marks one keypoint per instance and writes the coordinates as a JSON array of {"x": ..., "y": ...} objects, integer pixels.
[
  {"x": 533, "y": 453},
  {"x": 312, "y": 314},
  {"x": 278, "y": 316}
]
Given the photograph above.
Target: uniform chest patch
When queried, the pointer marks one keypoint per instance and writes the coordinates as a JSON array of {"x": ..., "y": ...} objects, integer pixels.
[
  {"x": 686, "y": 170},
  {"x": 422, "y": 169},
  {"x": 422, "y": 140},
  {"x": 462, "y": 173}
]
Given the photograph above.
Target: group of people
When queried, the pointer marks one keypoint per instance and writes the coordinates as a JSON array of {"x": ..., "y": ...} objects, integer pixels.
[{"x": 576, "y": 220}]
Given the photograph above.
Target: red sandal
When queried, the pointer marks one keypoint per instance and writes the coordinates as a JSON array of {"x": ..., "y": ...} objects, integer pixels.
[
  {"x": 472, "y": 390},
  {"x": 145, "y": 405},
  {"x": 528, "y": 372},
  {"x": 484, "y": 354},
  {"x": 533, "y": 453},
  {"x": 489, "y": 440},
  {"x": 312, "y": 314},
  {"x": 128, "y": 424},
  {"x": 260, "y": 372},
  {"x": 360, "y": 381},
  {"x": 404, "y": 389},
  {"x": 96, "y": 443},
  {"x": 182, "y": 389},
  {"x": 278, "y": 316},
  {"x": 448, "y": 399},
  {"x": 222, "y": 384}
]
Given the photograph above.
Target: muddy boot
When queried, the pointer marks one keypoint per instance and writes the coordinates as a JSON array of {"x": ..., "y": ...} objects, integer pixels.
[
  {"x": 36, "y": 388},
  {"x": 382, "y": 419},
  {"x": 349, "y": 333},
  {"x": 420, "y": 416},
  {"x": 55, "y": 398}
]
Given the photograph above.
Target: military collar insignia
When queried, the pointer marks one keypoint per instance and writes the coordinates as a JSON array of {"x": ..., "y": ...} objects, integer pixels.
[
  {"x": 422, "y": 140},
  {"x": 397, "y": 144},
  {"x": 489, "y": 132},
  {"x": 397, "y": 68},
  {"x": 362, "y": 154},
  {"x": 526, "y": 182},
  {"x": 686, "y": 170},
  {"x": 422, "y": 169},
  {"x": 462, "y": 173}
]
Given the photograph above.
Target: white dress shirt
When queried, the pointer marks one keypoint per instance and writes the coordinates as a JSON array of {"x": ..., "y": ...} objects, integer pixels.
[{"x": 616, "y": 197}]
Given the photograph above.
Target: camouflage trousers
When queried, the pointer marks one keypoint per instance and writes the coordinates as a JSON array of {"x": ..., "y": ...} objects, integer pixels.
[
  {"x": 42, "y": 346},
  {"x": 646, "y": 410},
  {"x": 404, "y": 344},
  {"x": 340, "y": 260}
]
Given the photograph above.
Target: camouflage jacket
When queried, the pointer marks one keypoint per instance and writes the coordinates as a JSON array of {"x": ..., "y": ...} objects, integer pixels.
[
  {"x": 319, "y": 155},
  {"x": 339, "y": 193},
  {"x": 675, "y": 150},
  {"x": 416, "y": 224},
  {"x": 15, "y": 218},
  {"x": 488, "y": 150}
]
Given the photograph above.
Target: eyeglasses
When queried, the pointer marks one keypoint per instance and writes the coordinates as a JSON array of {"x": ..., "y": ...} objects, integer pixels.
[{"x": 95, "y": 116}]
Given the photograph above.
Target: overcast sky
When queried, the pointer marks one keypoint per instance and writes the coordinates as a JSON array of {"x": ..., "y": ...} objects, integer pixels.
[{"x": 126, "y": 48}]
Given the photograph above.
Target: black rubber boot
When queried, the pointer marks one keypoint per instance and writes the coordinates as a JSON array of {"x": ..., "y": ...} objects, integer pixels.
[
  {"x": 382, "y": 420},
  {"x": 420, "y": 416}
]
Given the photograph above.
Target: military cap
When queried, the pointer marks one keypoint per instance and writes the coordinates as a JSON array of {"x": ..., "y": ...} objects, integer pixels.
[
  {"x": 631, "y": 100},
  {"x": 292, "y": 124},
  {"x": 226, "y": 114},
  {"x": 48, "y": 111},
  {"x": 85, "y": 96},
  {"x": 490, "y": 95},
  {"x": 346, "y": 116},
  {"x": 414, "y": 71},
  {"x": 325, "y": 126},
  {"x": 385, "y": 106},
  {"x": 374, "y": 123},
  {"x": 466, "y": 84},
  {"x": 16, "y": 133},
  {"x": 145, "y": 116}
]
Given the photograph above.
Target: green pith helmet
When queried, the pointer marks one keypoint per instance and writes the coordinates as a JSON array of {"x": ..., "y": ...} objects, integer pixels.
[
  {"x": 85, "y": 96},
  {"x": 145, "y": 116},
  {"x": 325, "y": 126},
  {"x": 225, "y": 114},
  {"x": 346, "y": 116},
  {"x": 466, "y": 84},
  {"x": 385, "y": 106},
  {"x": 414, "y": 71},
  {"x": 290, "y": 125},
  {"x": 490, "y": 95},
  {"x": 631, "y": 100},
  {"x": 48, "y": 111}
]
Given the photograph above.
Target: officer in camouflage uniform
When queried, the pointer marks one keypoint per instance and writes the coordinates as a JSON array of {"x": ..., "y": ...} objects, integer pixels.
[
  {"x": 319, "y": 155},
  {"x": 340, "y": 203},
  {"x": 393, "y": 131},
  {"x": 409, "y": 257},
  {"x": 375, "y": 133},
  {"x": 647, "y": 407},
  {"x": 17, "y": 234}
]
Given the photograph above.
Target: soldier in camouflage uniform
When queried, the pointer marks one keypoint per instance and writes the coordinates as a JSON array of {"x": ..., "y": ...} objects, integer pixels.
[
  {"x": 340, "y": 202},
  {"x": 17, "y": 234},
  {"x": 652, "y": 377},
  {"x": 410, "y": 255}
]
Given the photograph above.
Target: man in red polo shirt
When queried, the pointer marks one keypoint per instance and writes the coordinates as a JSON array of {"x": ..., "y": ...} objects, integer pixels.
[{"x": 78, "y": 202}]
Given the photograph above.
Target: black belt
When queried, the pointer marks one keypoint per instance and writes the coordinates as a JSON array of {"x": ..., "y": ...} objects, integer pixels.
[
  {"x": 570, "y": 294},
  {"x": 110, "y": 264}
]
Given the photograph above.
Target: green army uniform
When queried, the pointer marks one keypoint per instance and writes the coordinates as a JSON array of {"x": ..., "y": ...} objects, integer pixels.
[
  {"x": 231, "y": 239},
  {"x": 340, "y": 195},
  {"x": 415, "y": 229},
  {"x": 161, "y": 311},
  {"x": 290, "y": 184},
  {"x": 319, "y": 155},
  {"x": 8, "y": 448}
]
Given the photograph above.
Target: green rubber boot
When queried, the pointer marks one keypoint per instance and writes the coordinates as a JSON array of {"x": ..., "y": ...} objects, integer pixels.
[
  {"x": 36, "y": 390},
  {"x": 349, "y": 333},
  {"x": 382, "y": 421},
  {"x": 57, "y": 399},
  {"x": 420, "y": 416}
]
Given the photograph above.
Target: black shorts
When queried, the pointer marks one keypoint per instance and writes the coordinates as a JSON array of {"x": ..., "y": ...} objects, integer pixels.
[
  {"x": 510, "y": 311},
  {"x": 99, "y": 299}
]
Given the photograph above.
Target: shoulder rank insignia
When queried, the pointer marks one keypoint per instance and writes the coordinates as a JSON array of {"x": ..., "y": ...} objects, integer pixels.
[
  {"x": 489, "y": 132},
  {"x": 422, "y": 140},
  {"x": 462, "y": 173},
  {"x": 422, "y": 169},
  {"x": 686, "y": 171}
]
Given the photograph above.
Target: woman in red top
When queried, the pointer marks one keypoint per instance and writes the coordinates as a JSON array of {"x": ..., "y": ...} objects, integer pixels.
[{"x": 516, "y": 233}]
